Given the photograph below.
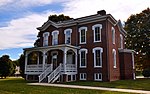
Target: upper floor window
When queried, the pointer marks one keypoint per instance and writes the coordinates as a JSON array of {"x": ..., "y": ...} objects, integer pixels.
[
  {"x": 98, "y": 56},
  {"x": 82, "y": 31},
  {"x": 97, "y": 32},
  {"x": 83, "y": 58},
  {"x": 45, "y": 38},
  {"x": 67, "y": 33},
  {"x": 55, "y": 37},
  {"x": 121, "y": 41},
  {"x": 114, "y": 58},
  {"x": 113, "y": 35}
]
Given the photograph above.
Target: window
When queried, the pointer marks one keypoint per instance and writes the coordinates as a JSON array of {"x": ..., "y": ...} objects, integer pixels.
[
  {"x": 114, "y": 58},
  {"x": 83, "y": 59},
  {"x": 55, "y": 37},
  {"x": 121, "y": 41},
  {"x": 98, "y": 56},
  {"x": 67, "y": 33},
  {"x": 97, "y": 32},
  {"x": 45, "y": 38},
  {"x": 98, "y": 76},
  {"x": 113, "y": 35},
  {"x": 82, "y": 31},
  {"x": 82, "y": 76}
]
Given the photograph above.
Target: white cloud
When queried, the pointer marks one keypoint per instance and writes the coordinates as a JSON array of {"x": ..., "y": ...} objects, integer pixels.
[
  {"x": 4, "y": 2},
  {"x": 21, "y": 32},
  {"x": 120, "y": 9}
]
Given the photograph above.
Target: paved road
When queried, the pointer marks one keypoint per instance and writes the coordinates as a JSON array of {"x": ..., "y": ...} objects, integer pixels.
[{"x": 94, "y": 88}]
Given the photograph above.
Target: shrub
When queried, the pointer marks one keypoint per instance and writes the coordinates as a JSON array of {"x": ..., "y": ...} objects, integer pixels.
[{"x": 146, "y": 72}]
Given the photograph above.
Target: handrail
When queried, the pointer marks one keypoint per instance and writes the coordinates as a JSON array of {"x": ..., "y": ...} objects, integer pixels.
[
  {"x": 45, "y": 73},
  {"x": 54, "y": 73}
]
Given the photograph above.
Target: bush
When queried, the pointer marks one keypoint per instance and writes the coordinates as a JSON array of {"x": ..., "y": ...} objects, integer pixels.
[{"x": 146, "y": 72}]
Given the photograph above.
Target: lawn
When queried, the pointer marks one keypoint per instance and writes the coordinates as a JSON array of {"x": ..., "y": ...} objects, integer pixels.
[
  {"x": 19, "y": 86},
  {"x": 141, "y": 84}
]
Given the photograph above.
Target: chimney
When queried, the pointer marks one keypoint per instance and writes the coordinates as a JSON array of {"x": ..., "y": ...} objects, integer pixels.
[{"x": 101, "y": 12}]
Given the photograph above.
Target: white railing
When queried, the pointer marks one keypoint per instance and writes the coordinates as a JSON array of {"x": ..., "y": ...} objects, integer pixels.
[
  {"x": 34, "y": 68},
  {"x": 69, "y": 68},
  {"x": 45, "y": 73},
  {"x": 55, "y": 73}
]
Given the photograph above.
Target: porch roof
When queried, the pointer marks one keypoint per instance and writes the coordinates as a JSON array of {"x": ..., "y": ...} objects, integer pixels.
[{"x": 54, "y": 47}]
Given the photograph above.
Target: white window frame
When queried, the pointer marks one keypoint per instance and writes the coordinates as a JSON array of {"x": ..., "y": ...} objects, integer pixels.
[
  {"x": 81, "y": 28},
  {"x": 65, "y": 31},
  {"x": 93, "y": 28},
  {"x": 53, "y": 42},
  {"x": 45, "y": 39},
  {"x": 83, "y": 75},
  {"x": 86, "y": 51},
  {"x": 113, "y": 35},
  {"x": 101, "y": 60},
  {"x": 114, "y": 58},
  {"x": 121, "y": 41},
  {"x": 98, "y": 75}
]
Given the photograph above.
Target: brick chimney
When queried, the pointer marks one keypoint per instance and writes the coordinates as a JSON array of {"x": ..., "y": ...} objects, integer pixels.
[{"x": 101, "y": 12}]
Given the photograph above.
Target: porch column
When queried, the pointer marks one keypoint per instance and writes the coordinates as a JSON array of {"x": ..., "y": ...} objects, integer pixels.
[
  {"x": 44, "y": 57},
  {"x": 26, "y": 61},
  {"x": 65, "y": 58},
  {"x": 38, "y": 59},
  {"x": 76, "y": 57}
]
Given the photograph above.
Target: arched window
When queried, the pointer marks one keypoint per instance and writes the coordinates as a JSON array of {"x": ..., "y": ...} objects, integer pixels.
[
  {"x": 82, "y": 31},
  {"x": 98, "y": 56},
  {"x": 67, "y": 33},
  {"x": 83, "y": 57},
  {"x": 97, "y": 32},
  {"x": 55, "y": 37},
  {"x": 121, "y": 41},
  {"x": 45, "y": 38},
  {"x": 113, "y": 35}
]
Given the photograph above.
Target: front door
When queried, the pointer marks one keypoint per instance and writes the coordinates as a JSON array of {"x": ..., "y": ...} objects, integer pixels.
[
  {"x": 69, "y": 59},
  {"x": 54, "y": 61}
]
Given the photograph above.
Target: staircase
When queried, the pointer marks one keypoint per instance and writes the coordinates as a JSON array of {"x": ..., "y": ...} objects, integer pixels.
[
  {"x": 55, "y": 74},
  {"x": 44, "y": 74}
]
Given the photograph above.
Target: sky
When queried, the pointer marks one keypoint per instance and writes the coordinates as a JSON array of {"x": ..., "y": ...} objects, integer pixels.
[{"x": 20, "y": 18}]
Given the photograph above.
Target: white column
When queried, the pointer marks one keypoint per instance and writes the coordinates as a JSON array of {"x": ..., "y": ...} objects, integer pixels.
[
  {"x": 65, "y": 58},
  {"x": 44, "y": 56},
  {"x": 38, "y": 59},
  {"x": 76, "y": 58},
  {"x": 26, "y": 61}
]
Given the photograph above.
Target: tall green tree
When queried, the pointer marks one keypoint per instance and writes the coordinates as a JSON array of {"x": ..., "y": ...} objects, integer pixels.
[
  {"x": 21, "y": 62},
  {"x": 138, "y": 37},
  {"x": 6, "y": 66}
]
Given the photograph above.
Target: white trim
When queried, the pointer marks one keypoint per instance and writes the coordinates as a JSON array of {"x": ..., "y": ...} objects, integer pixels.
[
  {"x": 113, "y": 35},
  {"x": 121, "y": 41},
  {"x": 65, "y": 31},
  {"x": 83, "y": 75},
  {"x": 81, "y": 28},
  {"x": 45, "y": 38},
  {"x": 133, "y": 61},
  {"x": 55, "y": 31},
  {"x": 99, "y": 75},
  {"x": 93, "y": 28},
  {"x": 101, "y": 51},
  {"x": 86, "y": 51},
  {"x": 114, "y": 58}
]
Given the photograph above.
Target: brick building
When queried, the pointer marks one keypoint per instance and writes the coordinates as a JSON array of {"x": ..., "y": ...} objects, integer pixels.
[{"x": 87, "y": 48}]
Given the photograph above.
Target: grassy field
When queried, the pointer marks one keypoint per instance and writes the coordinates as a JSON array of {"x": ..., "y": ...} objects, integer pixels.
[
  {"x": 19, "y": 86},
  {"x": 141, "y": 84}
]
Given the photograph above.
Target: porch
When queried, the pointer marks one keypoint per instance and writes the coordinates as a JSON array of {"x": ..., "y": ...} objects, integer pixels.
[{"x": 51, "y": 61}]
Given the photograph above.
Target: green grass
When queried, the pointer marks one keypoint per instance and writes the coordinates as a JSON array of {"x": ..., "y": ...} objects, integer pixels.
[
  {"x": 19, "y": 86},
  {"x": 141, "y": 84}
]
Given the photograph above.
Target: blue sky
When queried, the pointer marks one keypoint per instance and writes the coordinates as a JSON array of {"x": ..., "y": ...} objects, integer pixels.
[{"x": 20, "y": 18}]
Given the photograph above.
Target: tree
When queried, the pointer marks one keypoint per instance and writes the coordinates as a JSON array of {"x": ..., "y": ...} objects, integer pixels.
[
  {"x": 21, "y": 61},
  {"x": 138, "y": 37},
  {"x": 6, "y": 66}
]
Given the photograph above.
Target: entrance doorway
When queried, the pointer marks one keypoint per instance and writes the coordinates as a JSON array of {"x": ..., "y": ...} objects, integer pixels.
[{"x": 54, "y": 61}]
